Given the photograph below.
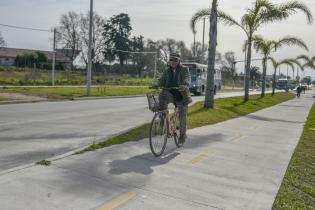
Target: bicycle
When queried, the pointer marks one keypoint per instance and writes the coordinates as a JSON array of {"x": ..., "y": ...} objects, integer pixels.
[{"x": 163, "y": 125}]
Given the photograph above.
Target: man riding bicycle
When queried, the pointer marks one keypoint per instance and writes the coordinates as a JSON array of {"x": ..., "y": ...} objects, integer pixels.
[{"x": 176, "y": 75}]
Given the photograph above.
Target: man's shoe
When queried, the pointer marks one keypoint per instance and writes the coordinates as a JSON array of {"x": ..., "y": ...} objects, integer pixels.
[{"x": 182, "y": 139}]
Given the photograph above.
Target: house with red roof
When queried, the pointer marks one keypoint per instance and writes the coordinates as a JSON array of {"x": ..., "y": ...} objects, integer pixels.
[{"x": 8, "y": 56}]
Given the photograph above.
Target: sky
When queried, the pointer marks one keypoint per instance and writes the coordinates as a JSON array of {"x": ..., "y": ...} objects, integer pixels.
[{"x": 155, "y": 19}]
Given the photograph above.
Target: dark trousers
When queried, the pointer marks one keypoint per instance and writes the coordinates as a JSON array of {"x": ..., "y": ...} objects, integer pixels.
[{"x": 165, "y": 98}]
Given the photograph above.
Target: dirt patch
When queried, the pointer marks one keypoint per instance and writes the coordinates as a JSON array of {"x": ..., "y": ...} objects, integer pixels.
[{"x": 20, "y": 97}]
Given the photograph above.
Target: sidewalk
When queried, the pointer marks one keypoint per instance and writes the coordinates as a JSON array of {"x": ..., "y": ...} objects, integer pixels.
[{"x": 237, "y": 164}]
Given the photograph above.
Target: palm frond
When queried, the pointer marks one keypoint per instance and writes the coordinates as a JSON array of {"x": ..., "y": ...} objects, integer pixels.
[
  {"x": 260, "y": 12},
  {"x": 274, "y": 62},
  {"x": 309, "y": 64},
  {"x": 288, "y": 62},
  {"x": 295, "y": 61},
  {"x": 248, "y": 21},
  {"x": 290, "y": 41},
  {"x": 303, "y": 57},
  {"x": 292, "y": 7},
  {"x": 197, "y": 16},
  {"x": 283, "y": 11},
  {"x": 229, "y": 21},
  {"x": 258, "y": 42},
  {"x": 263, "y": 45}
]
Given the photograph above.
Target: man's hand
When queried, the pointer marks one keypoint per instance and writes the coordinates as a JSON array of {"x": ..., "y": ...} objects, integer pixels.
[
  {"x": 155, "y": 84},
  {"x": 182, "y": 88}
]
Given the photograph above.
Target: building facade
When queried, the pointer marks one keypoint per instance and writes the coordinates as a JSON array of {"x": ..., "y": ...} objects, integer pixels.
[{"x": 8, "y": 56}]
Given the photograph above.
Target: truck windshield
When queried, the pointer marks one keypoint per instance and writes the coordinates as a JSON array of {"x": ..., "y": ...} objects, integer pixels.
[{"x": 193, "y": 74}]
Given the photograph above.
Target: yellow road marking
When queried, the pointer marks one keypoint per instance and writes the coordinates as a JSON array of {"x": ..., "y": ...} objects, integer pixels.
[
  {"x": 237, "y": 137},
  {"x": 254, "y": 127},
  {"x": 118, "y": 201},
  {"x": 200, "y": 157}
]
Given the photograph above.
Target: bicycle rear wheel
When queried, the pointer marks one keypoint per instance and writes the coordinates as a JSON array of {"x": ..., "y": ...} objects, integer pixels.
[{"x": 158, "y": 134}]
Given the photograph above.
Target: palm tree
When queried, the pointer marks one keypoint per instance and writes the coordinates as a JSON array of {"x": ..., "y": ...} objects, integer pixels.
[
  {"x": 209, "y": 98},
  {"x": 277, "y": 64},
  {"x": 309, "y": 61},
  {"x": 261, "y": 13},
  {"x": 266, "y": 47}
]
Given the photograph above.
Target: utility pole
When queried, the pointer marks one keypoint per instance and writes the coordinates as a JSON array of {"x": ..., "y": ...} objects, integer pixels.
[
  {"x": 89, "y": 70},
  {"x": 155, "y": 63},
  {"x": 54, "y": 60},
  {"x": 194, "y": 51}
]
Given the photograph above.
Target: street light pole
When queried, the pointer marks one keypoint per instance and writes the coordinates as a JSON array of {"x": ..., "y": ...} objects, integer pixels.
[
  {"x": 155, "y": 63},
  {"x": 203, "y": 38},
  {"x": 54, "y": 60},
  {"x": 89, "y": 70}
]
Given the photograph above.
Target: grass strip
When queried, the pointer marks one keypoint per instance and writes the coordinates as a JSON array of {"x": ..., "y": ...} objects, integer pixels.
[
  {"x": 71, "y": 92},
  {"x": 225, "y": 109},
  {"x": 3, "y": 99},
  {"x": 297, "y": 190},
  {"x": 44, "y": 163}
]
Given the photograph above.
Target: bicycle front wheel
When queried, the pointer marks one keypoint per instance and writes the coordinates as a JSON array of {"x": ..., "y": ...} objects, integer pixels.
[
  {"x": 158, "y": 134},
  {"x": 176, "y": 126}
]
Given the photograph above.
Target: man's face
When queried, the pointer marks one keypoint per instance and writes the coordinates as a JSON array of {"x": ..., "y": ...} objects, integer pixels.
[{"x": 174, "y": 62}]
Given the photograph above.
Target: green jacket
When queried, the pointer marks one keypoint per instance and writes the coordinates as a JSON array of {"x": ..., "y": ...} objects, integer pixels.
[{"x": 182, "y": 77}]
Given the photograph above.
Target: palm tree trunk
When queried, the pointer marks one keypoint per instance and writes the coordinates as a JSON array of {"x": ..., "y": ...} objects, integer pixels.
[
  {"x": 209, "y": 98},
  {"x": 248, "y": 63},
  {"x": 263, "y": 88},
  {"x": 274, "y": 82}
]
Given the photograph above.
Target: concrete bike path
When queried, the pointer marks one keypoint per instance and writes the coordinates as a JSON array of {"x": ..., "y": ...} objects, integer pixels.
[{"x": 237, "y": 164}]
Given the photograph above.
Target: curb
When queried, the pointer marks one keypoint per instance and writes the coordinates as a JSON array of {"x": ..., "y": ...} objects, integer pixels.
[{"x": 67, "y": 99}]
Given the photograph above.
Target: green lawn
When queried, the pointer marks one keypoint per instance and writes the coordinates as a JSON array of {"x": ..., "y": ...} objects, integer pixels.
[
  {"x": 25, "y": 76},
  {"x": 71, "y": 92},
  {"x": 297, "y": 190},
  {"x": 225, "y": 108}
]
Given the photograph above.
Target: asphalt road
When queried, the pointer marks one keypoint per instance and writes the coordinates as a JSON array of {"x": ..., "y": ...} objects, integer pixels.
[{"x": 36, "y": 131}]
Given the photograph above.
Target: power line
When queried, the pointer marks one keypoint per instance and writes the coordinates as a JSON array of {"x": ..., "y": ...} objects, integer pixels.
[
  {"x": 254, "y": 59},
  {"x": 130, "y": 51},
  {"x": 24, "y": 28}
]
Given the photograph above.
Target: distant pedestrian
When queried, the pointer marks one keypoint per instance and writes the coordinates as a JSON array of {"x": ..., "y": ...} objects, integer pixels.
[
  {"x": 298, "y": 91},
  {"x": 303, "y": 88}
]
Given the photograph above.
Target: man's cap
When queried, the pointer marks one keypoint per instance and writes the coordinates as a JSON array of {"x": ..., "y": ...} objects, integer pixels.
[{"x": 175, "y": 55}]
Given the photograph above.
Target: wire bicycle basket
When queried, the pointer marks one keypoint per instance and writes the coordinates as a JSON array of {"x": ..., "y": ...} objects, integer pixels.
[{"x": 153, "y": 101}]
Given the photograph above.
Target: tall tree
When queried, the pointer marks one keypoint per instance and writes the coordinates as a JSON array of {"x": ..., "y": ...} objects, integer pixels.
[
  {"x": 98, "y": 23},
  {"x": 228, "y": 66},
  {"x": 69, "y": 34},
  {"x": 185, "y": 53},
  {"x": 209, "y": 98},
  {"x": 137, "y": 45},
  {"x": 200, "y": 52},
  {"x": 2, "y": 41},
  {"x": 116, "y": 38},
  {"x": 262, "y": 12},
  {"x": 267, "y": 46}
]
